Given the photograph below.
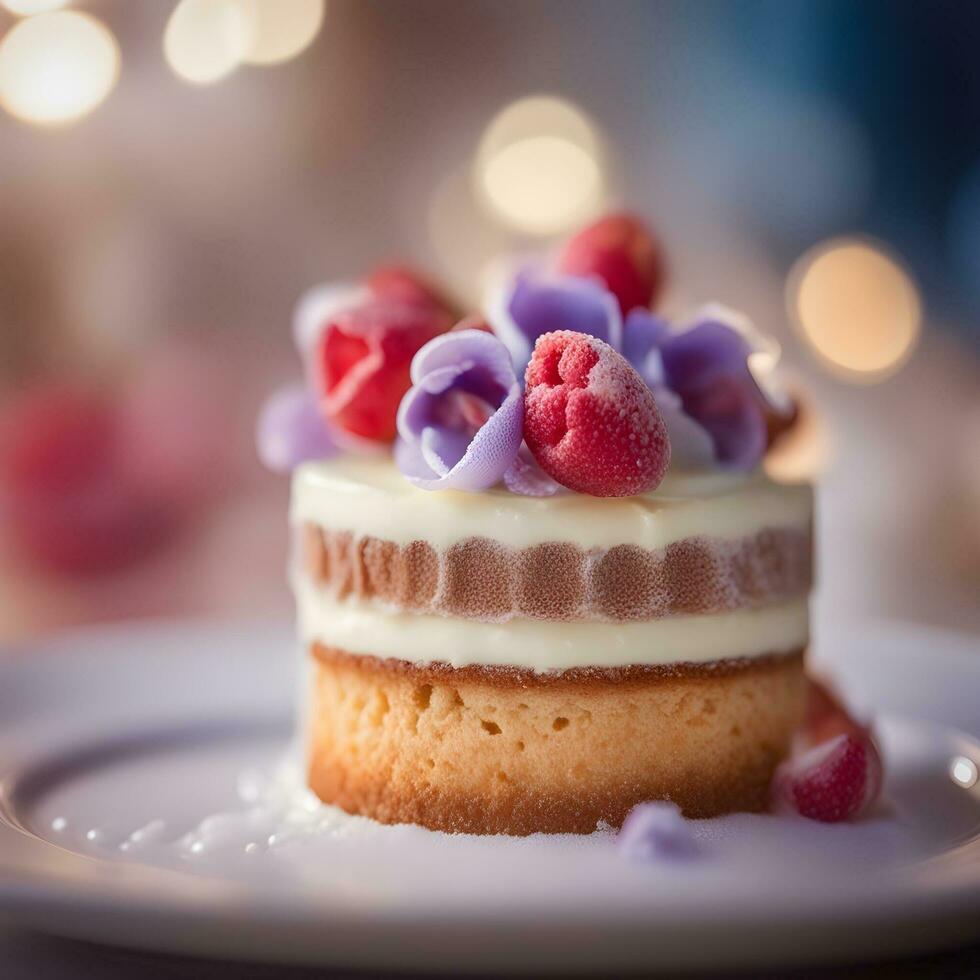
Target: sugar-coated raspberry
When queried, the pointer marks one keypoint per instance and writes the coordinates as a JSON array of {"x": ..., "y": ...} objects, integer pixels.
[
  {"x": 402, "y": 284},
  {"x": 837, "y": 780},
  {"x": 363, "y": 361},
  {"x": 622, "y": 252},
  {"x": 590, "y": 420}
]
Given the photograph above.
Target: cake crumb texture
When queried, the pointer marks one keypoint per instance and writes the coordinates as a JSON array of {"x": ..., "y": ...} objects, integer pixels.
[{"x": 480, "y": 751}]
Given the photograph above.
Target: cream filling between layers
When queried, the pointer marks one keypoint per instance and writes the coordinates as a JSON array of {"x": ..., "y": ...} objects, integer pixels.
[
  {"x": 363, "y": 628},
  {"x": 369, "y": 497}
]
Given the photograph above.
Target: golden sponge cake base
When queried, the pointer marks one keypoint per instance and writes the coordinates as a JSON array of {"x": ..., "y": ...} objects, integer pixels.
[{"x": 487, "y": 751}]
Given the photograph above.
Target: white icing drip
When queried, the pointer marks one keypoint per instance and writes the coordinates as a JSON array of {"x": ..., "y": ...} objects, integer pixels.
[
  {"x": 370, "y": 497},
  {"x": 365, "y": 629}
]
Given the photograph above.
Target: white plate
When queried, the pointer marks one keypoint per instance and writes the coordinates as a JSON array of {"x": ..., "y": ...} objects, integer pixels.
[{"x": 111, "y": 730}]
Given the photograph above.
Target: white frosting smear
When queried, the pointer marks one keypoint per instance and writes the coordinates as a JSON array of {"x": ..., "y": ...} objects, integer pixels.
[
  {"x": 542, "y": 646},
  {"x": 370, "y": 497}
]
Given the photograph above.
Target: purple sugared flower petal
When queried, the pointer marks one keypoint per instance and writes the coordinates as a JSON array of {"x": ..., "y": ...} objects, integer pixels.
[
  {"x": 734, "y": 415},
  {"x": 527, "y": 478},
  {"x": 691, "y": 445},
  {"x": 707, "y": 367},
  {"x": 535, "y": 303},
  {"x": 460, "y": 425},
  {"x": 643, "y": 336},
  {"x": 708, "y": 349},
  {"x": 716, "y": 404},
  {"x": 291, "y": 430},
  {"x": 656, "y": 831}
]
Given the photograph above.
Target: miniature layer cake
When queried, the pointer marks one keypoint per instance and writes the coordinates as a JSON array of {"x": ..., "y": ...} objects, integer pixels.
[{"x": 496, "y": 663}]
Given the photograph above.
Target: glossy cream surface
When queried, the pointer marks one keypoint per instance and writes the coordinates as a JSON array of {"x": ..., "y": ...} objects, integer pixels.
[{"x": 368, "y": 496}]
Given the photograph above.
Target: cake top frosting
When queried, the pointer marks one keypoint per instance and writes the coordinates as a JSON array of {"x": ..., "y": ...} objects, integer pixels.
[
  {"x": 368, "y": 495},
  {"x": 568, "y": 382}
]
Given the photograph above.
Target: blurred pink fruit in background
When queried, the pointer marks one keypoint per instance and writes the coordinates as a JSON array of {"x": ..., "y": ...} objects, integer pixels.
[
  {"x": 65, "y": 496},
  {"x": 177, "y": 425},
  {"x": 94, "y": 479}
]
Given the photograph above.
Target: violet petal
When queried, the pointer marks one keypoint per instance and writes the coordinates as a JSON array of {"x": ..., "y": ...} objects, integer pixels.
[
  {"x": 735, "y": 416},
  {"x": 695, "y": 357},
  {"x": 643, "y": 335},
  {"x": 442, "y": 379},
  {"x": 443, "y": 448},
  {"x": 461, "y": 424},
  {"x": 527, "y": 478},
  {"x": 691, "y": 445},
  {"x": 656, "y": 831},
  {"x": 410, "y": 461},
  {"x": 291, "y": 430},
  {"x": 536, "y": 303},
  {"x": 706, "y": 368},
  {"x": 487, "y": 457}
]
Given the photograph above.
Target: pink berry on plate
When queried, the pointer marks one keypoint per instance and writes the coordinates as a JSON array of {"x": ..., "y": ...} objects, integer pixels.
[
  {"x": 590, "y": 420},
  {"x": 837, "y": 780},
  {"x": 622, "y": 252}
]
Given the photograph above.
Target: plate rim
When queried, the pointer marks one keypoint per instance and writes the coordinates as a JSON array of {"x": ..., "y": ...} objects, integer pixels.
[{"x": 31, "y": 901}]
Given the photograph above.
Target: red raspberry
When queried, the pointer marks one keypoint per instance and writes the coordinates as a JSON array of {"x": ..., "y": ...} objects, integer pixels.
[
  {"x": 836, "y": 772},
  {"x": 623, "y": 254},
  {"x": 363, "y": 362},
  {"x": 590, "y": 420},
  {"x": 834, "y": 781},
  {"x": 402, "y": 284}
]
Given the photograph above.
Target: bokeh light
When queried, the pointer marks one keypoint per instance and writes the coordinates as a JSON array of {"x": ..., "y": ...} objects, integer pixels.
[
  {"x": 281, "y": 29},
  {"x": 539, "y": 166},
  {"x": 963, "y": 771},
  {"x": 57, "y": 67},
  {"x": 856, "y": 307},
  {"x": 206, "y": 40},
  {"x": 26, "y": 8}
]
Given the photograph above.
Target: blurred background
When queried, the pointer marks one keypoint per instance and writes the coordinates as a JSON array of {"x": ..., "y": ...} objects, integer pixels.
[{"x": 174, "y": 175}]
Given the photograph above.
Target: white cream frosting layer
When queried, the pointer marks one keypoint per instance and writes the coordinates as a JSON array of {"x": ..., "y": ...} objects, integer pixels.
[
  {"x": 369, "y": 497},
  {"x": 364, "y": 628}
]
